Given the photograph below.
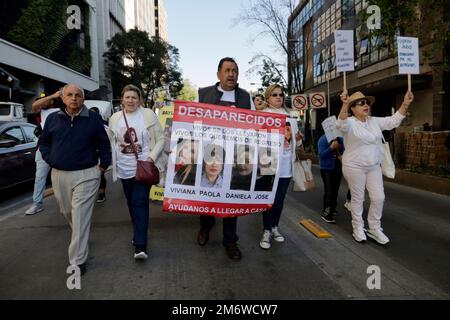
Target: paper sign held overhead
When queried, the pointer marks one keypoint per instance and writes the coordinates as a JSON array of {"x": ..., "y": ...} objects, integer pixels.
[
  {"x": 408, "y": 55},
  {"x": 300, "y": 101},
  {"x": 317, "y": 100},
  {"x": 345, "y": 58},
  {"x": 329, "y": 127}
]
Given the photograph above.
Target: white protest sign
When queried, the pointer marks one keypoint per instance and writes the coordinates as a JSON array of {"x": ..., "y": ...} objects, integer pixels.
[
  {"x": 300, "y": 101},
  {"x": 329, "y": 127},
  {"x": 317, "y": 100},
  {"x": 345, "y": 58},
  {"x": 408, "y": 55}
]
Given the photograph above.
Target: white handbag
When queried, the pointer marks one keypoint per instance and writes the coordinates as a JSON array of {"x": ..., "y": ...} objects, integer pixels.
[
  {"x": 298, "y": 176},
  {"x": 388, "y": 166}
]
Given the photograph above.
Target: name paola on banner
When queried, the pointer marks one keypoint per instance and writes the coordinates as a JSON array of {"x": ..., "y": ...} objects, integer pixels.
[{"x": 223, "y": 161}]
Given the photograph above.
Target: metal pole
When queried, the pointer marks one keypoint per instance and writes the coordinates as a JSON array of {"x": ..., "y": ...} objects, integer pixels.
[{"x": 328, "y": 95}]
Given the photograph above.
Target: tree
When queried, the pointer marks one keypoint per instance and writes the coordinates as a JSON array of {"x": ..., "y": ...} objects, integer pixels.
[
  {"x": 188, "y": 93},
  {"x": 150, "y": 63},
  {"x": 41, "y": 26},
  {"x": 425, "y": 19},
  {"x": 269, "y": 70},
  {"x": 272, "y": 17}
]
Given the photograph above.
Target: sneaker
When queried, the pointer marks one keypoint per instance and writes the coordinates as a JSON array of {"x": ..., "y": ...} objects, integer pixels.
[
  {"x": 328, "y": 217},
  {"x": 348, "y": 206},
  {"x": 265, "y": 241},
  {"x": 276, "y": 235},
  {"x": 378, "y": 236},
  {"x": 359, "y": 235},
  {"x": 35, "y": 208},
  {"x": 101, "y": 197},
  {"x": 140, "y": 254}
]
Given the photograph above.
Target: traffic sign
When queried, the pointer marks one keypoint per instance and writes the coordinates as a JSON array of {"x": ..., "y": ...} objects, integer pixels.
[
  {"x": 317, "y": 100},
  {"x": 300, "y": 101}
]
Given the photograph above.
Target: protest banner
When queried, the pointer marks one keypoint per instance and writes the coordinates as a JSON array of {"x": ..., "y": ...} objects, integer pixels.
[
  {"x": 223, "y": 161},
  {"x": 330, "y": 129},
  {"x": 408, "y": 57},
  {"x": 345, "y": 57},
  {"x": 165, "y": 119}
]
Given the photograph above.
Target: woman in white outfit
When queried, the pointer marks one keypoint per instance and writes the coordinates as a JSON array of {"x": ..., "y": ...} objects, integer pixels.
[
  {"x": 275, "y": 103},
  {"x": 361, "y": 162}
]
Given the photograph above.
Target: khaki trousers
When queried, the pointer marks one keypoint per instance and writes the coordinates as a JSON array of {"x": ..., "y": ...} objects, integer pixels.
[{"x": 76, "y": 193}]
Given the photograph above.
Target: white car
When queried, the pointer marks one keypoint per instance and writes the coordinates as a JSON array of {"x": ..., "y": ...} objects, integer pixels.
[
  {"x": 104, "y": 107},
  {"x": 11, "y": 111}
]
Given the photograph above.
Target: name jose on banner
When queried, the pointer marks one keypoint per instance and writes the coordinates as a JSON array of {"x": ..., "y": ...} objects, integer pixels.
[{"x": 223, "y": 161}]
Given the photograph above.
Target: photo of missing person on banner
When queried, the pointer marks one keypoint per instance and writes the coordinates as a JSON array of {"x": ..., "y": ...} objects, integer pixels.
[
  {"x": 128, "y": 136},
  {"x": 213, "y": 164},
  {"x": 186, "y": 162},
  {"x": 242, "y": 172},
  {"x": 267, "y": 166}
]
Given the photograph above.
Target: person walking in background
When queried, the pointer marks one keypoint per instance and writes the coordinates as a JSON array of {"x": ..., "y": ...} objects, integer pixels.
[
  {"x": 331, "y": 172},
  {"x": 140, "y": 125},
  {"x": 41, "y": 108},
  {"x": 275, "y": 102},
  {"x": 361, "y": 162},
  {"x": 72, "y": 142},
  {"x": 226, "y": 92},
  {"x": 102, "y": 188}
]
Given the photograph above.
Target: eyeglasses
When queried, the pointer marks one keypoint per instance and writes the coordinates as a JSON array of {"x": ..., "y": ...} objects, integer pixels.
[
  {"x": 281, "y": 95},
  {"x": 362, "y": 103}
]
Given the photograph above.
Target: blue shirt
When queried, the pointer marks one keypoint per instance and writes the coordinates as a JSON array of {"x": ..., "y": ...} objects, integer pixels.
[
  {"x": 328, "y": 157},
  {"x": 75, "y": 143}
]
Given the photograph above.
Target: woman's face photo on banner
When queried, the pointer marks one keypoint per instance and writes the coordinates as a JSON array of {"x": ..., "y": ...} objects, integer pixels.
[
  {"x": 242, "y": 171},
  {"x": 213, "y": 165}
]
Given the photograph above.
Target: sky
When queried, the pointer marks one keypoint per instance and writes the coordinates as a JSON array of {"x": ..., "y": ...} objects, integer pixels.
[{"x": 205, "y": 31}]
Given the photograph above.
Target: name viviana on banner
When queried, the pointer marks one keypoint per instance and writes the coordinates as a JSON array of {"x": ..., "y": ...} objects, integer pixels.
[{"x": 223, "y": 161}]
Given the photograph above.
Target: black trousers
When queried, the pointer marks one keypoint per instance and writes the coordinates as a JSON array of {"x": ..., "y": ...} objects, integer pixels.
[
  {"x": 229, "y": 228},
  {"x": 331, "y": 181}
]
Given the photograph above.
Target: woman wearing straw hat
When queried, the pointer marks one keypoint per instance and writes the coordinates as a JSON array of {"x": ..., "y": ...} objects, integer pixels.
[{"x": 364, "y": 153}]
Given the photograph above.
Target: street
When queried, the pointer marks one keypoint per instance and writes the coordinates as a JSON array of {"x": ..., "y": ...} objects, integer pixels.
[{"x": 33, "y": 253}]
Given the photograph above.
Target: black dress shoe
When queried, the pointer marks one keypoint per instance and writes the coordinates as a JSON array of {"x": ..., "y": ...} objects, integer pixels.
[
  {"x": 202, "y": 237},
  {"x": 233, "y": 252}
]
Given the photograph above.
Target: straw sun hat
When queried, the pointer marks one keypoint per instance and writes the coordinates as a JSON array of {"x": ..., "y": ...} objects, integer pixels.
[{"x": 359, "y": 96}]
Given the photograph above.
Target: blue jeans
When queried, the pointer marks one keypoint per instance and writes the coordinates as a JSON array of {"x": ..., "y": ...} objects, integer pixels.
[
  {"x": 272, "y": 218},
  {"x": 42, "y": 170},
  {"x": 137, "y": 195}
]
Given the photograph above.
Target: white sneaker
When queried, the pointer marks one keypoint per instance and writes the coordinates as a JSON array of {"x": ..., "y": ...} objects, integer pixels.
[
  {"x": 378, "y": 236},
  {"x": 359, "y": 235},
  {"x": 348, "y": 206},
  {"x": 265, "y": 241},
  {"x": 35, "y": 208},
  {"x": 140, "y": 255},
  {"x": 276, "y": 235}
]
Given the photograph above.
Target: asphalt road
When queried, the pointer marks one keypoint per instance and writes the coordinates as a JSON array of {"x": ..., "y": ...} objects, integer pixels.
[{"x": 33, "y": 253}]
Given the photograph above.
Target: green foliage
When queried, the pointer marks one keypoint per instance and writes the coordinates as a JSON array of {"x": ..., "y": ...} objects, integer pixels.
[
  {"x": 149, "y": 63},
  {"x": 188, "y": 93},
  {"x": 426, "y": 19},
  {"x": 269, "y": 71},
  {"x": 41, "y": 26}
]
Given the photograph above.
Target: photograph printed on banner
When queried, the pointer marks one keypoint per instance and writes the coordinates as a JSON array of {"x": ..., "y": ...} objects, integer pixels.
[
  {"x": 267, "y": 168},
  {"x": 242, "y": 172},
  {"x": 213, "y": 166},
  {"x": 186, "y": 162}
]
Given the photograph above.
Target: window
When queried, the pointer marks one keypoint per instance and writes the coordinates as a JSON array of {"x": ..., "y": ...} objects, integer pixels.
[
  {"x": 29, "y": 134},
  {"x": 364, "y": 46},
  {"x": 14, "y": 134}
]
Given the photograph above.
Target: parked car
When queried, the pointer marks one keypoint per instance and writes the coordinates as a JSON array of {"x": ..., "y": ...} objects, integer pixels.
[
  {"x": 17, "y": 151},
  {"x": 11, "y": 111},
  {"x": 105, "y": 107}
]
